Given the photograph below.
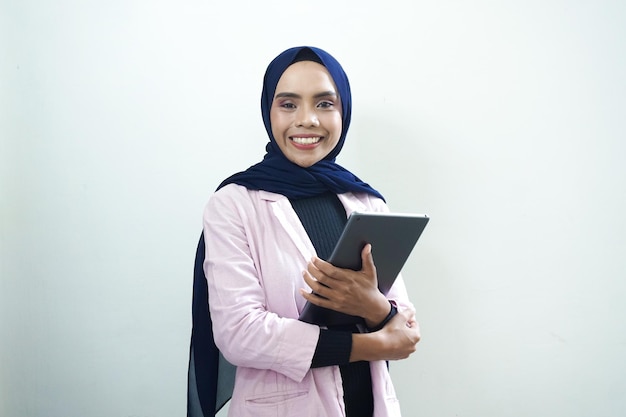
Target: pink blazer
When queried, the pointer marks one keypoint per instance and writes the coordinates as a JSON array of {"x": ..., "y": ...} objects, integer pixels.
[{"x": 256, "y": 250}]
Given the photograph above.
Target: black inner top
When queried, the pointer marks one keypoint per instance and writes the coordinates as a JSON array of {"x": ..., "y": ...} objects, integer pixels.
[{"x": 323, "y": 218}]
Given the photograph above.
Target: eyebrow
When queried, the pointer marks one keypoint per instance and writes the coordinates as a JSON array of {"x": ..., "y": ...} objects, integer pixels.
[{"x": 318, "y": 95}]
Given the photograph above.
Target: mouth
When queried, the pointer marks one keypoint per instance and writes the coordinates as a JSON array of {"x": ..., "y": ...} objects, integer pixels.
[{"x": 306, "y": 141}]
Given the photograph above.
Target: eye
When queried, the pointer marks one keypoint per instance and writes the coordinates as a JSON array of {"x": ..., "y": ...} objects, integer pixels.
[
  {"x": 325, "y": 104},
  {"x": 287, "y": 105}
]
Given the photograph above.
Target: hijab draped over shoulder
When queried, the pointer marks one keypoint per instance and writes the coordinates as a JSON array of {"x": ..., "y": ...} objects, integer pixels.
[{"x": 275, "y": 173}]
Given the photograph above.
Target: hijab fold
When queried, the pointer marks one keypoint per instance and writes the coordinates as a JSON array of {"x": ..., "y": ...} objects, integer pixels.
[{"x": 275, "y": 173}]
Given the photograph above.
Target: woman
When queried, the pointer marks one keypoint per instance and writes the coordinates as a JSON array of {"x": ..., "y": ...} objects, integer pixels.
[{"x": 267, "y": 230}]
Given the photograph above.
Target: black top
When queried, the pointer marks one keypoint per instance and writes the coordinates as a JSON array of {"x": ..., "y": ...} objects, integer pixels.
[{"x": 323, "y": 218}]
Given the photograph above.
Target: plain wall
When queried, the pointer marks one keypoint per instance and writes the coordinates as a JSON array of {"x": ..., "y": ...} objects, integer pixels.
[{"x": 503, "y": 120}]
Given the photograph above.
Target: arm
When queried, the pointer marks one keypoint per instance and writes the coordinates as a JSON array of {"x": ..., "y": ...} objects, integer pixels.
[
  {"x": 247, "y": 331},
  {"x": 387, "y": 340},
  {"x": 396, "y": 340},
  {"x": 368, "y": 302}
]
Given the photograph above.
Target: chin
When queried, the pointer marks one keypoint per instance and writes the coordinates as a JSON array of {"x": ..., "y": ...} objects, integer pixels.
[{"x": 304, "y": 163}]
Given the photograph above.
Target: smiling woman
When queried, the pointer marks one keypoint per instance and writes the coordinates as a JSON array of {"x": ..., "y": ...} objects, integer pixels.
[
  {"x": 267, "y": 230},
  {"x": 306, "y": 113}
]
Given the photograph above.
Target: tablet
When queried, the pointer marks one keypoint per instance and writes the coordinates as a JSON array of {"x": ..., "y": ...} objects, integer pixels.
[{"x": 392, "y": 236}]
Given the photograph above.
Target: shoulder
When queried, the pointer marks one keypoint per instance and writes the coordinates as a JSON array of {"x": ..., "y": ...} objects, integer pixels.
[
  {"x": 234, "y": 198},
  {"x": 229, "y": 192},
  {"x": 239, "y": 194}
]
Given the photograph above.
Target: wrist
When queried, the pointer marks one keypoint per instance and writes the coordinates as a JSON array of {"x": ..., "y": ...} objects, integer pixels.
[
  {"x": 367, "y": 347},
  {"x": 378, "y": 314},
  {"x": 392, "y": 312}
]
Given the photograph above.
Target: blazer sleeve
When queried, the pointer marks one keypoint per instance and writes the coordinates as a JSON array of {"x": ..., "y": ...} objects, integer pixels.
[{"x": 247, "y": 334}]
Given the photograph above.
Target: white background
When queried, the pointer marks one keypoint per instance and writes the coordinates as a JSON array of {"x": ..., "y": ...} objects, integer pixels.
[{"x": 503, "y": 120}]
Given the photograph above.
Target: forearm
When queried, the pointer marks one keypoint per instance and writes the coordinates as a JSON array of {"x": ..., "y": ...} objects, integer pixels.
[
  {"x": 333, "y": 348},
  {"x": 366, "y": 347},
  {"x": 339, "y": 348}
]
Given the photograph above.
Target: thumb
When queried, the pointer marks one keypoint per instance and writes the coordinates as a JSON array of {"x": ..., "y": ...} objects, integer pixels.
[{"x": 367, "y": 260}]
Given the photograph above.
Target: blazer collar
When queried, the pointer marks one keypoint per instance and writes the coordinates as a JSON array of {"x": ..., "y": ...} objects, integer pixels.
[
  {"x": 266, "y": 195},
  {"x": 281, "y": 207},
  {"x": 349, "y": 201}
]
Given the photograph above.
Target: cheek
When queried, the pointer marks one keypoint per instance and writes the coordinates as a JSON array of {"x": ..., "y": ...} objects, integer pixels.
[
  {"x": 336, "y": 124},
  {"x": 280, "y": 119},
  {"x": 276, "y": 124}
]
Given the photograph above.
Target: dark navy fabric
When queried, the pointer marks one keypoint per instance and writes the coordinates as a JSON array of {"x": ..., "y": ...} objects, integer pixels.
[{"x": 210, "y": 378}]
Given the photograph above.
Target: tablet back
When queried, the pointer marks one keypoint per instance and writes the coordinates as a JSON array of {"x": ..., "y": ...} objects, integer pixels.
[{"x": 392, "y": 236}]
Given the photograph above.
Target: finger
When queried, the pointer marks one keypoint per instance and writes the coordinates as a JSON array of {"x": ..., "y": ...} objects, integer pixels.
[
  {"x": 312, "y": 268},
  {"x": 316, "y": 286},
  {"x": 367, "y": 261},
  {"x": 319, "y": 263},
  {"x": 310, "y": 280},
  {"x": 318, "y": 276},
  {"x": 316, "y": 272},
  {"x": 416, "y": 331},
  {"x": 314, "y": 298},
  {"x": 328, "y": 269}
]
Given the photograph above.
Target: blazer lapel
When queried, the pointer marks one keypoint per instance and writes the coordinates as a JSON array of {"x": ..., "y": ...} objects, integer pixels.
[
  {"x": 287, "y": 218},
  {"x": 284, "y": 213}
]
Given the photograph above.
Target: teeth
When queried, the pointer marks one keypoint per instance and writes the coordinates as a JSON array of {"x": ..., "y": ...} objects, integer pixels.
[{"x": 306, "y": 141}]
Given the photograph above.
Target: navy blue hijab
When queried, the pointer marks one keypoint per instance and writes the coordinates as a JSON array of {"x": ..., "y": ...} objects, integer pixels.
[{"x": 275, "y": 173}]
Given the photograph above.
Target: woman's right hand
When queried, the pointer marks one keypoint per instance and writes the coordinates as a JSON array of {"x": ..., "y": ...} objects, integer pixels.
[
  {"x": 397, "y": 340},
  {"x": 402, "y": 334}
]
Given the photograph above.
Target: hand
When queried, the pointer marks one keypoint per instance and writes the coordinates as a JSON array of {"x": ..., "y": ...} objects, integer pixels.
[
  {"x": 401, "y": 334},
  {"x": 347, "y": 291},
  {"x": 397, "y": 340}
]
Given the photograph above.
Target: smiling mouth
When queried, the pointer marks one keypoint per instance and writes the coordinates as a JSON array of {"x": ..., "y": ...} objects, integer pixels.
[{"x": 306, "y": 141}]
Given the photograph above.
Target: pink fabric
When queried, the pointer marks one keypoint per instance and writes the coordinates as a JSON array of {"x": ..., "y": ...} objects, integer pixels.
[{"x": 255, "y": 303}]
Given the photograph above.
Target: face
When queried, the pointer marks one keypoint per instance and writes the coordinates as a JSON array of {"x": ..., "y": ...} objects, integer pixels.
[{"x": 306, "y": 113}]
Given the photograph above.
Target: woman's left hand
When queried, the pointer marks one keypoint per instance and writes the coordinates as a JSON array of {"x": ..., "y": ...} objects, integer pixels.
[{"x": 347, "y": 291}]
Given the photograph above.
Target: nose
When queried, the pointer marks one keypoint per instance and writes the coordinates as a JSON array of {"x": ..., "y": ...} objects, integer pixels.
[{"x": 307, "y": 117}]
